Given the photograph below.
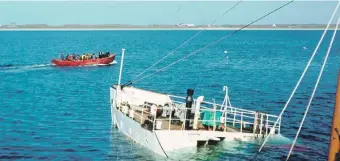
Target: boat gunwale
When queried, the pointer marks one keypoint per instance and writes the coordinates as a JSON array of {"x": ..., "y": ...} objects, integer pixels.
[
  {"x": 60, "y": 60},
  {"x": 203, "y": 102},
  {"x": 114, "y": 87}
]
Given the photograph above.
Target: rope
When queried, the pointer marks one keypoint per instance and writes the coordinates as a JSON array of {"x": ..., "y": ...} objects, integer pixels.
[
  {"x": 299, "y": 81},
  {"x": 228, "y": 10},
  {"x": 160, "y": 145},
  {"x": 213, "y": 22},
  {"x": 230, "y": 34},
  {"x": 315, "y": 87}
]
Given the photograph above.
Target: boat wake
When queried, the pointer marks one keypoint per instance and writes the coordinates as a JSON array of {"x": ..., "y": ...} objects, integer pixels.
[{"x": 22, "y": 68}]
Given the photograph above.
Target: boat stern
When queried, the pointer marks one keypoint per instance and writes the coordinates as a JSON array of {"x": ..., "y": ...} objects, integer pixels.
[{"x": 54, "y": 61}]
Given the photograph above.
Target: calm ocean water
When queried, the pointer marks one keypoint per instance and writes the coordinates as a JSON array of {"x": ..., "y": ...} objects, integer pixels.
[{"x": 50, "y": 113}]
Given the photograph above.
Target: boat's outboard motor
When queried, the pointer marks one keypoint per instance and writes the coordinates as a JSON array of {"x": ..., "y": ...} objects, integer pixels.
[{"x": 188, "y": 105}]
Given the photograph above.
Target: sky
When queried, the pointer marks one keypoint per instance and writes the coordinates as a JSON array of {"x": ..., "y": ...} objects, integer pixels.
[{"x": 162, "y": 12}]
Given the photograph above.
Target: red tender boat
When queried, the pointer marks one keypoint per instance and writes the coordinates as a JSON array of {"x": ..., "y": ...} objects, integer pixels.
[{"x": 99, "y": 61}]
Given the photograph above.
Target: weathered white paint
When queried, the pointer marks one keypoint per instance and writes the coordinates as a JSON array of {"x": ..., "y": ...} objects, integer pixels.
[
  {"x": 197, "y": 111},
  {"x": 175, "y": 140},
  {"x": 161, "y": 142},
  {"x": 133, "y": 129},
  {"x": 138, "y": 96}
]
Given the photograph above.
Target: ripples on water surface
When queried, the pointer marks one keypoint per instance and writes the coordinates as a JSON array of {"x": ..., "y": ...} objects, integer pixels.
[{"x": 64, "y": 113}]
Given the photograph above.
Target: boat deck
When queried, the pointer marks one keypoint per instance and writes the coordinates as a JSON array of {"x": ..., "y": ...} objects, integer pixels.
[
  {"x": 177, "y": 124},
  {"x": 165, "y": 123}
]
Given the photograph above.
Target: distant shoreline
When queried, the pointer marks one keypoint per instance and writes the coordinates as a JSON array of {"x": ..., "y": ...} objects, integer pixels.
[
  {"x": 131, "y": 29},
  {"x": 114, "y": 27}
]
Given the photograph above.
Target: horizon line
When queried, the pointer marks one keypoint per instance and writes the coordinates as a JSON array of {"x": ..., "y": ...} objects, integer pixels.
[{"x": 191, "y": 24}]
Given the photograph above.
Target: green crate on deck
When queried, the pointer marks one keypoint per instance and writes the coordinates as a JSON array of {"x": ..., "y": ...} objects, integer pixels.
[{"x": 209, "y": 115}]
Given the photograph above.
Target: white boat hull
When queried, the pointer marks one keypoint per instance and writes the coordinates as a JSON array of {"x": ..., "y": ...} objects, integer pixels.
[
  {"x": 134, "y": 131},
  {"x": 164, "y": 142}
]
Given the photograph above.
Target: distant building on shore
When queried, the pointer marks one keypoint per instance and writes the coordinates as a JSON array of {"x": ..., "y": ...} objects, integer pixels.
[
  {"x": 185, "y": 25},
  {"x": 13, "y": 24}
]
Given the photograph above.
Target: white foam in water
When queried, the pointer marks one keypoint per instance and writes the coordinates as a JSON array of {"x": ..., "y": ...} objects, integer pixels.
[
  {"x": 37, "y": 65},
  {"x": 24, "y": 68},
  {"x": 7, "y": 67},
  {"x": 273, "y": 140},
  {"x": 229, "y": 145}
]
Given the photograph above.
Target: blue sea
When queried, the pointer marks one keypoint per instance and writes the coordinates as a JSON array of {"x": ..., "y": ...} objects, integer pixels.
[{"x": 54, "y": 113}]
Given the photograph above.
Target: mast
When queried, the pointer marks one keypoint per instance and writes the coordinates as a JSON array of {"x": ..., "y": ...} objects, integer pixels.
[
  {"x": 121, "y": 67},
  {"x": 334, "y": 146}
]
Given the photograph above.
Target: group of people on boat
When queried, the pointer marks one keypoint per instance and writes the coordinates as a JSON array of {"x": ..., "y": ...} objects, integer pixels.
[{"x": 86, "y": 56}]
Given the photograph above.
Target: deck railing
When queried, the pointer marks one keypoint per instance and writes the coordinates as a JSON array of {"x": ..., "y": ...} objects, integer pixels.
[
  {"x": 234, "y": 118},
  {"x": 238, "y": 117}
]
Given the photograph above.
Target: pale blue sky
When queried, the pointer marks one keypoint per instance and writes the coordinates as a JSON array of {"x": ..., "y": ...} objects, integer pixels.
[{"x": 156, "y": 12}]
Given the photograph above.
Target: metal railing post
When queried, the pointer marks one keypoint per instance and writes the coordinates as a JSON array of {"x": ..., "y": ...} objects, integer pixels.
[
  {"x": 234, "y": 118},
  {"x": 279, "y": 129},
  {"x": 214, "y": 127},
  {"x": 255, "y": 122},
  {"x": 154, "y": 123},
  {"x": 170, "y": 118},
  {"x": 185, "y": 118},
  {"x": 141, "y": 119},
  {"x": 225, "y": 121},
  {"x": 261, "y": 123},
  {"x": 241, "y": 124},
  {"x": 267, "y": 125}
]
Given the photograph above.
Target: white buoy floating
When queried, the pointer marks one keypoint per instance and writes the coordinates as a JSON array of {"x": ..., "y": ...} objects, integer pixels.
[
  {"x": 304, "y": 47},
  {"x": 227, "y": 57}
]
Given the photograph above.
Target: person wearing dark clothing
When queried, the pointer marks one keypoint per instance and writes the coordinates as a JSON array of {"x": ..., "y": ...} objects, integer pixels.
[
  {"x": 62, "y": 56},
  {"x": 100, "y": 55}
]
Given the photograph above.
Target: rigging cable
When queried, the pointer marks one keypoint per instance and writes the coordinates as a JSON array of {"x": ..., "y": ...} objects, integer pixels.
[
  {"x": 315, "y": 87},
  {"x": 213, "y": 22},
  {"x": 216, "y": 41},
  {"x": 300, "y": 79}
]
